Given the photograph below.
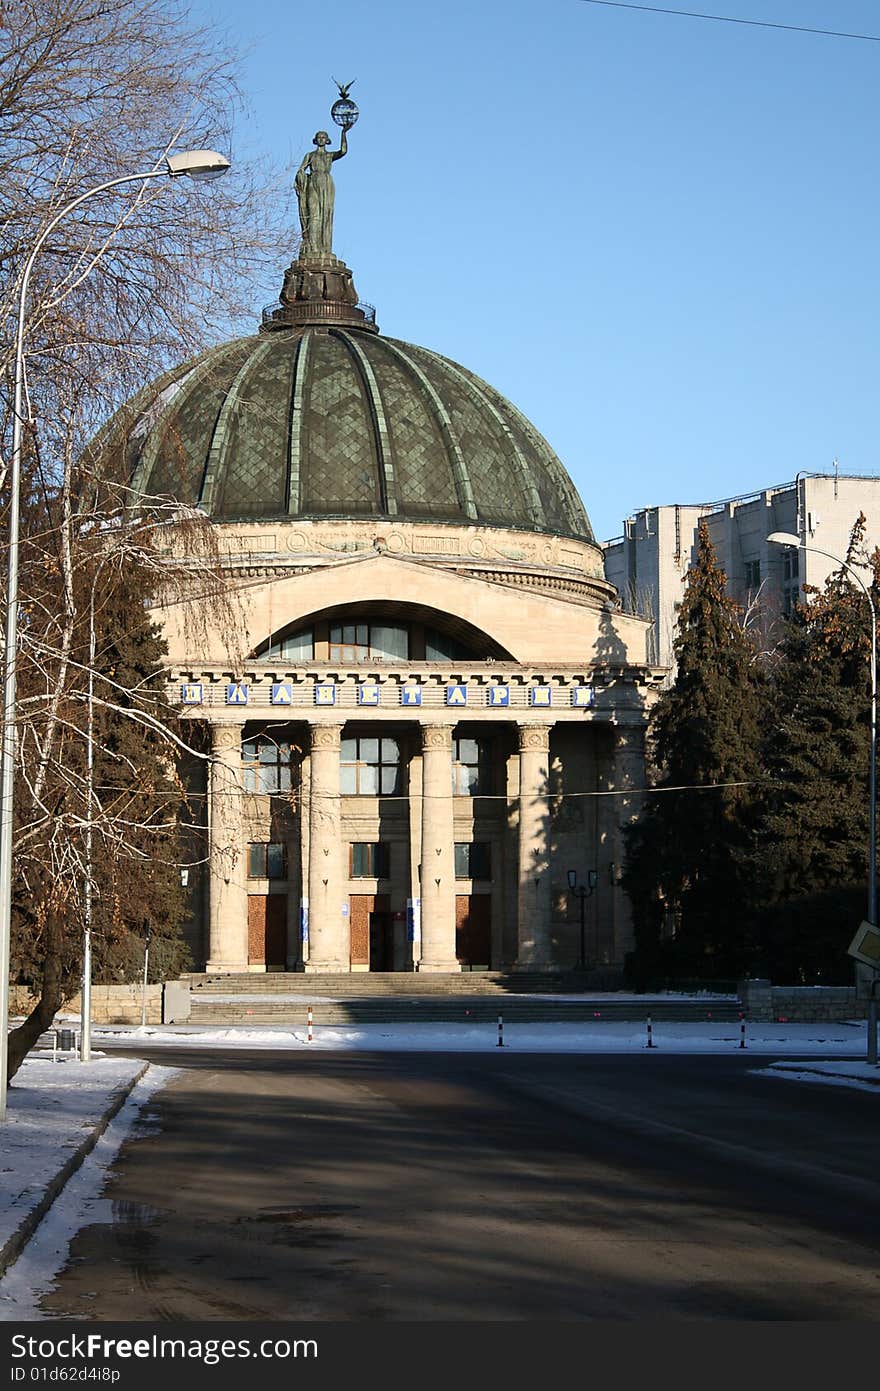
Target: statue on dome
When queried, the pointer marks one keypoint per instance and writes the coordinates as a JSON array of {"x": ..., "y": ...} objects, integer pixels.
[{"x": 315, "y": 190}]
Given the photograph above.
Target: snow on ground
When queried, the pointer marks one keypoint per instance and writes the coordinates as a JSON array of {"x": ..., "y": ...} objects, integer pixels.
[
  {"x": 604, "y": 1036},
  {"x": 51, "y": 1108}
]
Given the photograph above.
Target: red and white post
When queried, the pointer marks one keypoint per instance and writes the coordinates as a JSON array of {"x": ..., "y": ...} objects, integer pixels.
[{"x": 310, "y": 1035}]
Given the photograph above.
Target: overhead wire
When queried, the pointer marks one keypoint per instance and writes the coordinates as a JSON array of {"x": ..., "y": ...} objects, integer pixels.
[{"x": 733, "y": 19}]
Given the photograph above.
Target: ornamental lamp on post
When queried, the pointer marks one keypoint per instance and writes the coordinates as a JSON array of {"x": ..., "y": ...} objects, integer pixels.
[
  {"x": 788, "y": 538},
  {"x": 582, "y": 893},
  {"x": 200, "y": 165}
]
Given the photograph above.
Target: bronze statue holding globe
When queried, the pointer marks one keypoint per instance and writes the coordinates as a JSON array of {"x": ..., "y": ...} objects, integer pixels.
[
  {"x": 315, "y": 190},
  {"x": 318, "y": 288}
]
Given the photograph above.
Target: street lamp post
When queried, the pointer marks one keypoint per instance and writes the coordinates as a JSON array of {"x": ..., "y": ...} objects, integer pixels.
[
  {"x": 582, "y": 892},
  {"x": 787, "y": 538},
  {"x": 197, "y": 164}
]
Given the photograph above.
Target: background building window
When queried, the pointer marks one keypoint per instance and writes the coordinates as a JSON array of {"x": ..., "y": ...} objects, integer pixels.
[
  {"x": 267, "y": 764},
  {"x": 267, "y": 860},
  {"x": 472, "y": 860},
  {"x": 790, "y": 563},
  {"x": 753, "y": 574},
  {"x": 370, "y": 860},
  {"x": 369, "y": 767},
  {"x": 470, "y": 767},
  {"x": 364, "y": 642}
]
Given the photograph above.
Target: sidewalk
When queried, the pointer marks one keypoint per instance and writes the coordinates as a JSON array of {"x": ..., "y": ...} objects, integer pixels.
[{"x": 56, "y": 1113}]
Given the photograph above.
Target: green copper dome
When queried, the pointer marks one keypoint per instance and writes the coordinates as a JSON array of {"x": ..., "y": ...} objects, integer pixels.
[{"x": 338, "y": 421}]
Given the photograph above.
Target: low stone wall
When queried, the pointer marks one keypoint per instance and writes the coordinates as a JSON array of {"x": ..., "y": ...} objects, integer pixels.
[
  {"x": 111, "y": 1004},
  {"x": 800, "y": 1004}
]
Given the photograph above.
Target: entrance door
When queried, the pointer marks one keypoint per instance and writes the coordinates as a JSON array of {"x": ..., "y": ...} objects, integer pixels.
[
  {"x": 473, "y": 930},
  {"x": 267, "y": 929},
  {"x": 369, "y": 919},
  {"x": 381, "y": 940}
]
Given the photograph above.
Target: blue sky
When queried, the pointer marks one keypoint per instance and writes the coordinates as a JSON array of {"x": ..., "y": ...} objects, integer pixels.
[{"x": 657, "y": 235}]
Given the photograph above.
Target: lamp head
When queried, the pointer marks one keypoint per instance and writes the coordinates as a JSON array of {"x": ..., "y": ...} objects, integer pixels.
[
  {"x": 201, "y": 165},
  {"x": 783, "y": 538}
]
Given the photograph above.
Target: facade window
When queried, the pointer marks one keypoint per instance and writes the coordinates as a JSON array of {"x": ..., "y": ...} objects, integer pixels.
[
  {"x": 369, "y": 860},
  {"x": 267, "y": 860},
  {"x": 365, "y": 642},
  {"x": 470, "y": 767},
  {"x": 472, "y": 860},
  {"x": 369, "y": 767},
  {"x": 753, "y": 574},
  {"x": 266, "y": 763},
  {"x": 298, "y": 647},
  {"x": 790, "y": 563}
]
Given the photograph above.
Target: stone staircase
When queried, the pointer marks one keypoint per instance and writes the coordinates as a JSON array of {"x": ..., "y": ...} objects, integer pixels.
[{"x": 468, "y": 998}]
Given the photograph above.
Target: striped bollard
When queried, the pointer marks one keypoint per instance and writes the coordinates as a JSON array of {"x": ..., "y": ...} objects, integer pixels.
[
  {"x": 500, "y": 1031},
  {"x": 742, "y": 1031},
  {"x": 650, "y": 1033},
  {"x": 310, "y": 1024}
]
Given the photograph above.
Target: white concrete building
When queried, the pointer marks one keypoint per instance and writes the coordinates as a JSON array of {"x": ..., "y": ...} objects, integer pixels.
[
  {"x": 435, "y": 712},
  {"x": 648, "y": 563}
]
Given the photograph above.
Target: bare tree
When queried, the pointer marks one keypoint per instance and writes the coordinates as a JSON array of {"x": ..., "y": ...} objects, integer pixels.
[{"x": 91, "y": 90}]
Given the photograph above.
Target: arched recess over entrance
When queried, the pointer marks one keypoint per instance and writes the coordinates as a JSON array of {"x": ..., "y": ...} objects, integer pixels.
[{"x": 380, "y": 630}]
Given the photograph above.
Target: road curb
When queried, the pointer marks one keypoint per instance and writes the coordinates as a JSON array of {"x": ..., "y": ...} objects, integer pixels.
[{"x": 13, "y": 1247}]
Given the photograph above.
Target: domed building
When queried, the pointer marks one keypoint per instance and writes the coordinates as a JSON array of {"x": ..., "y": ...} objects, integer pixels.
[{"x": 437, "y": 716}]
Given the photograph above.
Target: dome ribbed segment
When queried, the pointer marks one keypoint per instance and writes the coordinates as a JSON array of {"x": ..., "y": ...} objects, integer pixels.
[{"x": 337, "y": 422}]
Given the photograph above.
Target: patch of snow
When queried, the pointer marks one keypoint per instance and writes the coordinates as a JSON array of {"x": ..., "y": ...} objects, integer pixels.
[
  {"x": 51, "y": 1109},
  {"x": 609, "y": 1036}
]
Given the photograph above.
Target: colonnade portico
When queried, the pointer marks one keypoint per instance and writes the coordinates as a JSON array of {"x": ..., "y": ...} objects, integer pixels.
[{"x": 319, "y": 891}]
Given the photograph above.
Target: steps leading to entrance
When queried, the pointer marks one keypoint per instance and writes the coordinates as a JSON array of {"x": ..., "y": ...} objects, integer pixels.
[
  {"x": 378, "y": 984},
  {"x": 258, "y": 1011}
]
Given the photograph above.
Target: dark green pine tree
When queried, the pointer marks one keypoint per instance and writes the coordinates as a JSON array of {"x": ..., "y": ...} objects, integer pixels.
[
  {"x": 683, "y": 871},
  {"x": 809, "y": 855},
  {"x": 136, "y": 805},
  {"x": 137, "y": 846}
]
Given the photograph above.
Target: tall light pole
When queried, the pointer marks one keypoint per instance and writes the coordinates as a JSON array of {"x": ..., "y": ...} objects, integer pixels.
[
  {"x": 197, "y": 164},
  {"x": 787, "y": 538}
]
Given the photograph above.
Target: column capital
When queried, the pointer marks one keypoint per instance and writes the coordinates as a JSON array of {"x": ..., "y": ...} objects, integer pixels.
[
  {"x": 436, "y": 736},
  {"x": 534, "y": 736},
  {"x": 325, "y": 736},
  {"x": 225, "y": 738}
]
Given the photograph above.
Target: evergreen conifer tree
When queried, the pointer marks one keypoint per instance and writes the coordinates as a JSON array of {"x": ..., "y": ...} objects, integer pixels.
[
  {"x": 683, "y": 868},
  {"x": 808, "y": 863}
]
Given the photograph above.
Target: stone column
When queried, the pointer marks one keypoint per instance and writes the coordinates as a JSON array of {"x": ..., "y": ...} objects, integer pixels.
[
  {"x": 438, "y": 852},
  {"x": 227, "y": 875},
  {"x": 328, "y": 929},
  {"x": 534, "y": 897}
]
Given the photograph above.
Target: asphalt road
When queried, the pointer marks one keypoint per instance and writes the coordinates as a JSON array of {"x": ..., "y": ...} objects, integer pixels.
[{"x": 343, "y": 1186}]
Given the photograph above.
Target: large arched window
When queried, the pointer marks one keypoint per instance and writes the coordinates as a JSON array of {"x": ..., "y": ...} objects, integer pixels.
[{"x": 374, "y": 632}]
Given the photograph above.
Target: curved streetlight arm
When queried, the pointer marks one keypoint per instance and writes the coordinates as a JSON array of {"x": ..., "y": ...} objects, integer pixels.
[{"x": 198, "y": 163}]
